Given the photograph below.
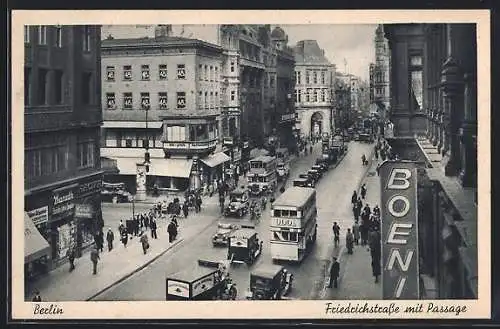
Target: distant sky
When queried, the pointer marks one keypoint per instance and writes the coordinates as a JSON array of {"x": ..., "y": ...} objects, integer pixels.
[{"x": 355, "y": 43}]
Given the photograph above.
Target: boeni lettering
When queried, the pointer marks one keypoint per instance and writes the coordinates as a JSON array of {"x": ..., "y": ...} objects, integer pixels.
[{"x": 402, "y": 217}]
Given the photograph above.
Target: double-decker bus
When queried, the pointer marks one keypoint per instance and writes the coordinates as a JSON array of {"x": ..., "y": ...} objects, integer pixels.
[
  {"x": 293, "y": 224},
  {"x": 262, "y": 174}
]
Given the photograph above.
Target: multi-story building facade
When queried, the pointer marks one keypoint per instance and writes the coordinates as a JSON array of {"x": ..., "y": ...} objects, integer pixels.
[
  {"x": 381, "y": 73},
  {"x": 313, "y": 89},
  {"x": 434, "y": 111},
  {"x": 62, "y": 119},
  {"x": 249, "y": 83},
  {"x": 162, "y": 96},
  {"x": 284, "y": 118}
]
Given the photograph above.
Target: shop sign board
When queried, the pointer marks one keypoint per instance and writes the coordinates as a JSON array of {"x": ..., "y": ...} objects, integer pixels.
[
  {"x": 39, "y": 215},
  {"x": 63, "y": 203},
  {"x": 400, "y": 271},
  {"x": 92, "y": 187},
  {"x": 84, "y": 211}
]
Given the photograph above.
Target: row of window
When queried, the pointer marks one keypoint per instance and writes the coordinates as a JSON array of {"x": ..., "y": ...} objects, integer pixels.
[
  {"x": 145, "y": 72},
  {"x": 312, "y": 77},
  {"x": 50, "y": 87},
  {"x": 54, "y": 159},
  {"x": 127, "y": 101},
  {"x": 41, "y": 33},
  {"x": 208, "y": 73},
  {"x": 311, "y": 95},
  {"x": 208, "y": 100}
]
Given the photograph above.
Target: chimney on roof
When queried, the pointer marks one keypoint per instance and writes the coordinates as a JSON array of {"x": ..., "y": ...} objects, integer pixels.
[{"x": 163, "y": 31}]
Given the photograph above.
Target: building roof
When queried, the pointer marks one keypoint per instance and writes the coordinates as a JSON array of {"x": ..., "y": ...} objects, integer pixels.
[
  {"x": 294, "y": 196},
  {"x": 267, "y": 270},
  {"x": 308, "y": 51},
  {"x": 163, "y": 41}
]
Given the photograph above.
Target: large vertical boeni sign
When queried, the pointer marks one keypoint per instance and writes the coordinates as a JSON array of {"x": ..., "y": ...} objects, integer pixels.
[{"x": 400, "y": 272}]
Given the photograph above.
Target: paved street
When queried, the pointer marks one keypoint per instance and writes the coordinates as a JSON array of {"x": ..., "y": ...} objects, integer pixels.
[
  {"x": 337, "y": 184},
  {"x": 356, "y": 280}
]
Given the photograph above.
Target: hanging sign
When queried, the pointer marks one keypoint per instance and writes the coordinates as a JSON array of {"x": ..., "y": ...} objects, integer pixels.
[{"x": 400, "y": 274}]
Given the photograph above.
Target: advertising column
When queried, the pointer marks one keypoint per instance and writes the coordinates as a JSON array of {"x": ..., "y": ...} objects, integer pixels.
[
  {"x": 400, "y": 274},
  {"x": 141, "y": 182}
]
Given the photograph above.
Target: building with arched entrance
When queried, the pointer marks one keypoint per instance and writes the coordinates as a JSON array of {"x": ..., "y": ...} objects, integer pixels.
[{"x": 314, "y": 81}]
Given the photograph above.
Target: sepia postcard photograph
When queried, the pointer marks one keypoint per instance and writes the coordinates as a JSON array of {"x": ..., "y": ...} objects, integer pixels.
[{"x": 250, "y": 164}]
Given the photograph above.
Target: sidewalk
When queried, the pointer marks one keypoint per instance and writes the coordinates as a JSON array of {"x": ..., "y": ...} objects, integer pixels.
[
  {"x": 356, "y": 280},
  {"x": 119, "y": 264}
]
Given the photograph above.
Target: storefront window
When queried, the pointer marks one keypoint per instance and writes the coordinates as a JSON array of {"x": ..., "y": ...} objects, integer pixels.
[{"x": 201, "y": 132}]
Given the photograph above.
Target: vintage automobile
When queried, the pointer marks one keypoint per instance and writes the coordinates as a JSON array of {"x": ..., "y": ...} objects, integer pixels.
[
  {"x": 319, "y": 168},
  {"x": 224, "y": 230},
  {"x": 238, "y": 203},
  {"x": 303, "y": 182},
  {"x": 315, "y": 175},
  {"x": 244, "y": 245},
  {"x": 323, "y": 163},
  {"x": 115, "y": 193},
  {"x": 208, "y": 280},
  {"x": 311, "y": 179},
  {"x": 283, "y": 170},
  {"x": 268, "y": 282},
  {"x": 254, "y": 189}
]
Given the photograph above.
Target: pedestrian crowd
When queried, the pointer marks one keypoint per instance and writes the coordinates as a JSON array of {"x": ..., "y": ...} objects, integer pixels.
[{"x": 366, "y": 228}]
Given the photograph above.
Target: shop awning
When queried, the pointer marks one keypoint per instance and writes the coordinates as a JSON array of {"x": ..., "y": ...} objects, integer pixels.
[
  {"x": 180, "y": 168},
  {"x": 35, "y": 245},
  {"x": 213, "y": 160},
  {"x": 159, "y": 167},
  {"x": 128, "y": 166}
]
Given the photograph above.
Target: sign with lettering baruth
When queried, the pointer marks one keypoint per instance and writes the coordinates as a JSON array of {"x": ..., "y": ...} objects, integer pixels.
[{"x": 399, "y": 230}]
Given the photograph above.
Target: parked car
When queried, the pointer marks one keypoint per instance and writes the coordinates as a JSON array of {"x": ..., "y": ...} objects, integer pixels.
[
  {"x": 303, "y": 182},
  {"x": 316, "y": 175},
  {"x": 319, "y": 168},
  {"x": 310, "y": 179}
]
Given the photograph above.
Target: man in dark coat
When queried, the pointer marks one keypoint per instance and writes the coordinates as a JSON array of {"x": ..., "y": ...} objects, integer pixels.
[
  {"x": 94, "y": 257},
  {"x": 152, "y": 224},
  {"x": 363, "y": 191},
  {"x": 172, "y": 232},
  {"x": 354, "y": 198},
  {"x": 99, "y": 240},
  {"x": 334, "y": 273},
  {"x": 376, "y": 268},
  {"x": 124, "y": 237},
  {"x": 71, "y": 257},
  {"x": 110, "y": 236},
  {"x": 185, "y": 209},
  {"x": 336, "y": 234}
]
